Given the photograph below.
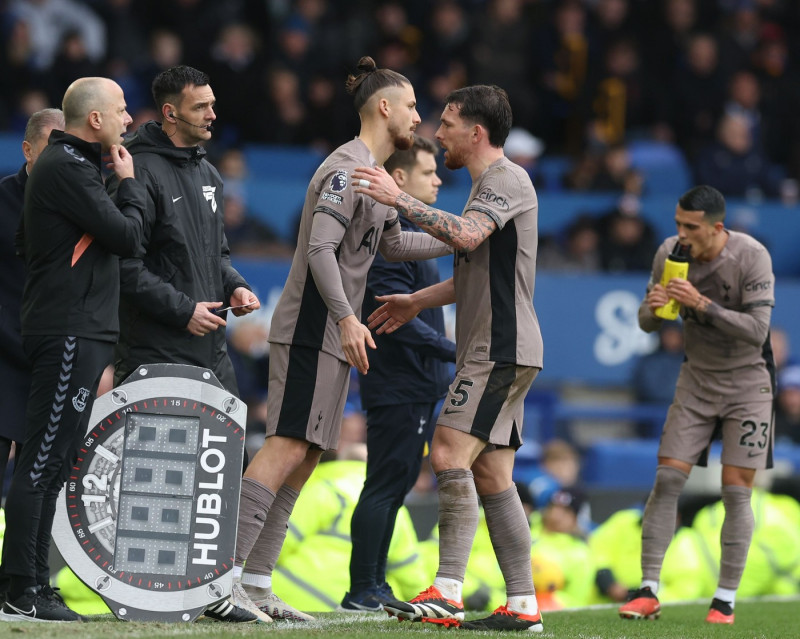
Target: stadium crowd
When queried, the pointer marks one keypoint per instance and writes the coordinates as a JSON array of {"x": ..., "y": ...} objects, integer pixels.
[{"x": 716, "y": 78}]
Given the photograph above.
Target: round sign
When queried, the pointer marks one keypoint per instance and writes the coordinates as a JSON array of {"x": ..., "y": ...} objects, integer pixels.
[{"x": 147, "y": 517}]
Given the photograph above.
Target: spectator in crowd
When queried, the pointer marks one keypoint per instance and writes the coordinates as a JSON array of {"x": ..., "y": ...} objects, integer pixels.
[
  {"x": 628, "y": 100},
  {"x": 577, "y": 252},
  {"x": 740, "y": 35},
  {"x": 559, "y": 467},
  {"x": 235, "y": 61},
  {"x": 15, "y": 374},
  {"x": 613, "y": 20},
  {"x": 779, "y": 76},
  {"x": 602, "y": 168},
  {"x": 408, "y": 376},
  {"x": 500, "y": 54},
  {"x": 733, "y": 164},
  {"x": 566, "y": 62},
  {"x": 525, "y": 149},
  {"x": 71, "y": 62},
  {"x": 561, "y": 539},
  {"x": 668, "y": 31},
  {"x": 72, "y": 233},
  {"x": 446, "y": 39},
  {"x": 654, "y": 375},
  {"x": 49, "y": 21},
  {"x": 627, "y": 240},
  {"x": 744, "y": 98},
  {"x": 698, "y": 93}
]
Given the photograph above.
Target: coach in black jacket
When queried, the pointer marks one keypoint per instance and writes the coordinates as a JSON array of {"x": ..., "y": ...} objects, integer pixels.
[
  {"x": 15, "y": 371},
  {"x": 182, "y": 272},
  {"x": 72, "y": 234}
]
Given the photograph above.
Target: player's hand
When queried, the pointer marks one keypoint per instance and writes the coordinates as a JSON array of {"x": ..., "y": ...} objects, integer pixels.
[
  {"x": 376, "y": 183},
  {"x": 395, "y": 311},
  {"x": 245, "y": 299},
  {"x": 683, "y": 291},
  {"x": 204, "y": 320},
  {"x": 121, "y": 162},
  {"x": 657, "y": 297},
  {"x": 354, "y": 336}
]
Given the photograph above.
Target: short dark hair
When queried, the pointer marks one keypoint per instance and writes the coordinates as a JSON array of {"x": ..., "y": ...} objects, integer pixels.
[
  {"x": 169, "y": 84},
  {"x": 704, "y": 198},
  {"x": 406, "y": 159},
  {"x": 486, "y": 105},
  {"x": 370, "y": 80}
]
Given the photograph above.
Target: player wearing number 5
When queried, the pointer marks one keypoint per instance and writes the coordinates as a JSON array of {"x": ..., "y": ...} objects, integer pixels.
[
  {"x": 498, "y": 354},
  {"x": 725, "y": 387}
]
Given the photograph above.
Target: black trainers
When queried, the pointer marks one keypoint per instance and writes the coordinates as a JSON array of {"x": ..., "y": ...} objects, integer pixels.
[
  {"x": 226, "y": 611},
  {"x": 34, "y": 605},
  {"x": 505, "y": 619},
  {"x": 53, "y": 595},
  {"x": 385, "y": 593},
  {"x": 360, "y": 602}
]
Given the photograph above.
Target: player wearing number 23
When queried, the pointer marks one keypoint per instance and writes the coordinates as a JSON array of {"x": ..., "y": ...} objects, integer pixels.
[{"x": 725, "y": 387}]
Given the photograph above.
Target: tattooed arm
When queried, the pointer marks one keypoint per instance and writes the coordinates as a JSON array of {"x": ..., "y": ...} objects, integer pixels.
[{"x": 462, "y": 232}]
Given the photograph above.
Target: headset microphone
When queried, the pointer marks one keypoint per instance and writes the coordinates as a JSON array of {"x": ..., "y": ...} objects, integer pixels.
[{"x": 207, "y": 127}]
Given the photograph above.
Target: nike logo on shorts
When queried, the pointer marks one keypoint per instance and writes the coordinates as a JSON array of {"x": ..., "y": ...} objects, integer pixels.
[
  {"x": 447, "y": 411},
  {"x": 175, "y": 199}
]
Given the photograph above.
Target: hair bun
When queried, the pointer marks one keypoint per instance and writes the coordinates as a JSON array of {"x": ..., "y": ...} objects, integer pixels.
[{"x": 367, "y": 65}]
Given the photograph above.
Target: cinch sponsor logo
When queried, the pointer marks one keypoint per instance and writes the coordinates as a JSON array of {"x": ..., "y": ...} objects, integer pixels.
[
  {"x": 758, "y": 286},
  {"x": 488, "y": 195}
]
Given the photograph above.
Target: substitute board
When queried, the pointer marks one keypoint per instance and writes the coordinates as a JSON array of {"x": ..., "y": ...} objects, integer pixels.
[{"x": 147, "y": 516}]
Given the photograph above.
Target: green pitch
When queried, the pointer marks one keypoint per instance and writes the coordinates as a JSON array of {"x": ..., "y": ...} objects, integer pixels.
[{"x": 774, "y": 618}]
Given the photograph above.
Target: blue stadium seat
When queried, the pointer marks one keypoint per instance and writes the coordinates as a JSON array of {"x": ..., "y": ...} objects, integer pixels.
[
  {"x": 663, "y": 166},
  {"x": 277, "y": 202},
  {"x": 11, "y": 157},
  {"x": 552, "y": 169},
  {"x": 621, "y": 463},
  {"x": 281, "y": 162}
]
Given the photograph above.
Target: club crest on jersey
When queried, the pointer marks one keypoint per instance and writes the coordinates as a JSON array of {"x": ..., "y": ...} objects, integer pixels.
[
  {"x": 208, "y": 193},
  {"x": 339, "y": 181},
  {"x": 79, "y": 401}
]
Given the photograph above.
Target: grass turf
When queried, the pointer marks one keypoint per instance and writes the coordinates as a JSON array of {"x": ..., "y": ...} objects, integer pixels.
[{"x": 755, "y": 619}]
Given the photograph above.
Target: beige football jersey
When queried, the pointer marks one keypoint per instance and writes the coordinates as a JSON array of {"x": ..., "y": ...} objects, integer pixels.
[
  {"x": 302, "y": 316},
  {"x": 495, "y": 318},
  {"x": 719, "y": 364}
]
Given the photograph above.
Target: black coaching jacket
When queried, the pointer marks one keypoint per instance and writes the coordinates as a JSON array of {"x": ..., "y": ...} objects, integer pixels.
[
  {"x": 184, "y": 259},
  {"x": 72, "y": 233}
]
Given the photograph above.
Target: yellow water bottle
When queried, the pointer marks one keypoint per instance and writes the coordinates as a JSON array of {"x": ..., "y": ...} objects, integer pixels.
[{"x": 676, "y": 265}]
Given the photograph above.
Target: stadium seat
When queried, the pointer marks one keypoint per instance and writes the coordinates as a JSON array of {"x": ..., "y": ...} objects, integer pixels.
[
  {"x": 281, "y": 162},
  {"x": 663, "y": 166},
  {"x": 11, "y": 157}
]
